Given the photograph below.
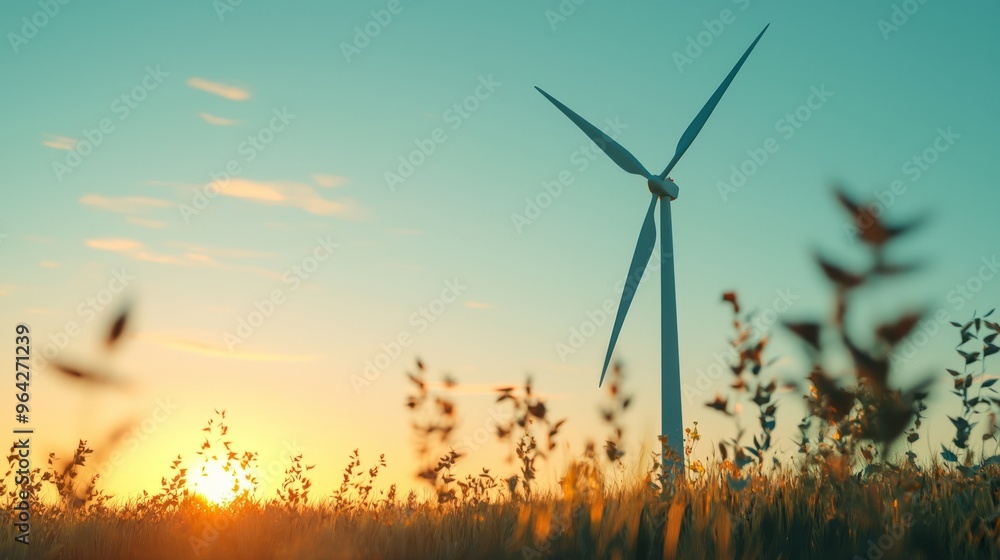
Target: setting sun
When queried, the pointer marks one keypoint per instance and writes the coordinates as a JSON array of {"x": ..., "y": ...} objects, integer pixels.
[
  {"x": 218, "y": 482},
  {"x": 372, "y": 280}
]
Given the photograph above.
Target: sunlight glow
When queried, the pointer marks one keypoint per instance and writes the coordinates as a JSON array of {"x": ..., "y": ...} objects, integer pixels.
[{"x": 217, "y": 484}]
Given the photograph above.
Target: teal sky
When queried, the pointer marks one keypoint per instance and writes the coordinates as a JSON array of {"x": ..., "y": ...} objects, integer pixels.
[{"x": 352, "y": 109}]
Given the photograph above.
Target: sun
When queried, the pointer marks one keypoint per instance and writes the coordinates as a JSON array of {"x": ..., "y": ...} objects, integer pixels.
[{"x": 217, "y": 484}]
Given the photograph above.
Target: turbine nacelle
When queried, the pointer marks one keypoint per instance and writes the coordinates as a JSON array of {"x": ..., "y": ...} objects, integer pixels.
[{"x": 663, "y": 187}]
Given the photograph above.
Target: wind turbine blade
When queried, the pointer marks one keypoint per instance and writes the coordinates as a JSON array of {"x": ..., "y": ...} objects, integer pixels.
[
  {"x": 696, "y": 125},
  {"x": 615, "y": 151},
  {"x": 643, "y": 249}
]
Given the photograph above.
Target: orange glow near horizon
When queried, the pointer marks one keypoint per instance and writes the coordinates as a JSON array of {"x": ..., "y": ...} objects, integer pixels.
[{"x": 218, "y": 483}]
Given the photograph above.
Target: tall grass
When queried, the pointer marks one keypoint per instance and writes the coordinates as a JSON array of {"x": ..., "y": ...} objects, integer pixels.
[{"x": 852, "y": 488}]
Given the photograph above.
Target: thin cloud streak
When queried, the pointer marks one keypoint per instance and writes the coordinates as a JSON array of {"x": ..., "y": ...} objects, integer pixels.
[
  {"x": 222, "y": 90},
  {"x": 125, "y": 204},
  {"x": 217, "y": 121},
  {"x": 205, "y": 349}
]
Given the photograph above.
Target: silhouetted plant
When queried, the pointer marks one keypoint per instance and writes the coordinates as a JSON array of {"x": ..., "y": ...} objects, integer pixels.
[
  {"x": 866, "y": 418},
  {"x": 434, "y": 415},
  {"x": 975, "y": 388}
]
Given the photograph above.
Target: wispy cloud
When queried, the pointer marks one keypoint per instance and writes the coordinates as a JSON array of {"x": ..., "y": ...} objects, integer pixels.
[
  {"x": 478, "y": 305},
  {"x": 217, "y": 121},
  {"x": 125, "y": 204},
  {"x": 288, "y": 193},
  {"x": 183, "y": 254},
  {"x": 225, "y": 252},
  {"x": 223, "y": 90},
  {"x": 139, "y": 251},
  {"x": 329, "y": 181},
  {"x": 215, "y": 351},
  {"x": 152, "y": 224},
  {"x": 60, "y": 142},
  {"x": 117, "y": 245},
  {"x": 49, "y": 264},
  {"x": 6, "y": 289}
]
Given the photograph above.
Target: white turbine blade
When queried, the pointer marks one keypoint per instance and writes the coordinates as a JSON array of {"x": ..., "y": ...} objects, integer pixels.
[
  {"x": 615, "y": 151},
  {"x": 696, "y": 125},
  {"x": 643, "y": 249}
]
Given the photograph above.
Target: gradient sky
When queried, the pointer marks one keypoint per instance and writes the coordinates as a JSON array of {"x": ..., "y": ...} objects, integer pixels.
[{"x": 199, "y": 84}]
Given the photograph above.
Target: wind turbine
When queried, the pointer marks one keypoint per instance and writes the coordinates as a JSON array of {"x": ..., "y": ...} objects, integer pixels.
[{"x": 660, "y": 186}]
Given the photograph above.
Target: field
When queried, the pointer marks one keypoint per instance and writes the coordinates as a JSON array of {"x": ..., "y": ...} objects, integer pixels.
[{"x": 854, "y": 488}]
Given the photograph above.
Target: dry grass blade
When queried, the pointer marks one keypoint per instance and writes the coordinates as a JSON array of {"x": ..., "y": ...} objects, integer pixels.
[
  {"x": 86, "y": 376},
  {"x": 118, "y": 327}
]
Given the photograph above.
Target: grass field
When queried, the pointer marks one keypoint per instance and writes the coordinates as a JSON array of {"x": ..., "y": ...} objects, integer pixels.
[{"x": 853, "y": 488}]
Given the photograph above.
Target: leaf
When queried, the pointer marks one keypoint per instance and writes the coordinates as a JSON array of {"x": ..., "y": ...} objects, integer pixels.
[
  {"x": 839, "y": 276},
  {"x": 118, "y": 327},
  {"x": 948, "y": 455},
  {"x": 808, "y": 332},
  {"x": 961, "y": 424},
  {"x": 86, "y": 376},
  {"x": 719, "y": 404},
  {"x": 970, "y": 357},
  {"x": 875, "y": 369},
  {"x": 894, "y": 332},
  {"x": 989, "y": 383},
  {"x": 853, "y": 207},
  {"x": 731, "y": 298}
]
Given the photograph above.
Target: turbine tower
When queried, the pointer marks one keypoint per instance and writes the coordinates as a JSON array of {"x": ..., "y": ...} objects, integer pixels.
[{"x": 665, "y": 191}]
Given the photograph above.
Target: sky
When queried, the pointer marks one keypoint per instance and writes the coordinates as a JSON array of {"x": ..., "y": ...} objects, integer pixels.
[{"x": 298, "y": 200}]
